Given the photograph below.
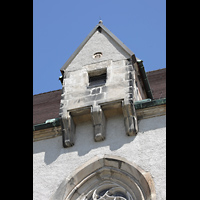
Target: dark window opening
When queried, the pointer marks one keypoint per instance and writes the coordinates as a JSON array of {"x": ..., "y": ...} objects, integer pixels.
[
  {"x": 97, "y": 55},
  {"x": 99, "y": 29},
  {"x": 97, "y": 79}
]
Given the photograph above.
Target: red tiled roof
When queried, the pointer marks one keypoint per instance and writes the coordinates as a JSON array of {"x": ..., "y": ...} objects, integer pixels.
[
  {"x": 157, "y": 82},
  {"x": 46, "y": 105}
]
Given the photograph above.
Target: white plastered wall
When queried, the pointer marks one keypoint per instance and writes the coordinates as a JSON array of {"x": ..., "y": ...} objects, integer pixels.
[{"x": 52, "y": 163}]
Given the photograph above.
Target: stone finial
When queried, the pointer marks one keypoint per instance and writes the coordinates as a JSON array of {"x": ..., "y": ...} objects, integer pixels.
[{"x": 100, "y": 22}]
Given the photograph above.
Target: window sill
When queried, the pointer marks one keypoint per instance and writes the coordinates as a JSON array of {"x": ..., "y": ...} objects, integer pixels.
[{"x": 95, "y": 85}]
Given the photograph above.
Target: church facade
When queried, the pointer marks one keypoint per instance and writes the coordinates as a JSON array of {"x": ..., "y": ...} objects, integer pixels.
[{"x": 103, "y": 136}]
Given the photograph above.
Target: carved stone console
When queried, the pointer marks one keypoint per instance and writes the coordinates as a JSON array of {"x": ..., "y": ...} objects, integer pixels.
[
  {"x": 68, "y": 130},
  {"x": 99, "y": 123},
  {"x": 69, "y": 127},
  {"x": 130, "y": 118},
  {"x": 98, "y": 118}
]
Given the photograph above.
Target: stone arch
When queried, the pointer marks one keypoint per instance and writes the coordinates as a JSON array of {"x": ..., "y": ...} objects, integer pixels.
[{"x": 109, "y": 177}]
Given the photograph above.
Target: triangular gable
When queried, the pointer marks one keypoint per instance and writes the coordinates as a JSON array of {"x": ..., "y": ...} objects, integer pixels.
[{"x": 120, "y": 43}]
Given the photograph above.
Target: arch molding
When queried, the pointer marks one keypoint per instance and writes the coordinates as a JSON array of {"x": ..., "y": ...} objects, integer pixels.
[{"x": 107, "y": 178}]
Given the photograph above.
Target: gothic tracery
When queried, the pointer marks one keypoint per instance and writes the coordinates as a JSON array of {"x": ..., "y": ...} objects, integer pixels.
[
  {"x": 108, "y": 191},
  {"x": 107, "y": 178}
]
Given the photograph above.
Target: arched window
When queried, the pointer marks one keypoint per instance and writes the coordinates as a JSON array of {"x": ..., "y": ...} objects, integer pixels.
[{"x": 107, "y": 178}]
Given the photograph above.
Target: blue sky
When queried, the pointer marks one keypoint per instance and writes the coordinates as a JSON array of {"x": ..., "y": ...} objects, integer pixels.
[{"x": 59, "y": 27}]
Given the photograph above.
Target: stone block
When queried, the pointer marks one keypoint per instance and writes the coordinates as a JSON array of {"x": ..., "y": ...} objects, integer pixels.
[{"x": 95, "y": 90}]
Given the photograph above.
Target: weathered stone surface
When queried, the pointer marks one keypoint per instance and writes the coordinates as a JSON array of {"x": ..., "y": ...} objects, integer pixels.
[
  {"x": 68, "y": 130},
  {"x": 130, "y": 118},
  {"x": 119, "y": 86},
  {"x": 99, "y": 42},
  {"x": 99, "y": 123}
]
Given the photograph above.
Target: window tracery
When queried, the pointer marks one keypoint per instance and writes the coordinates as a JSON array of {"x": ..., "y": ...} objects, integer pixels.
[
  {"x": 107, "y": 178},
  {"x": 108, "y": 191}
]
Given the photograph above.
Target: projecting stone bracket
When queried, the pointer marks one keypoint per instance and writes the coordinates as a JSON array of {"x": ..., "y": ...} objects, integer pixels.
[
  {"x": 99, "y": 123},
  {"x": 68, "y": 126},
  {"x": 68, "y": 130},
  {"x": 130, "y": 118}
]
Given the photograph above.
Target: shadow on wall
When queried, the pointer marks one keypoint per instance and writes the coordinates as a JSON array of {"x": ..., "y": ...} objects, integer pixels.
[{"x": 84, "y": 141}]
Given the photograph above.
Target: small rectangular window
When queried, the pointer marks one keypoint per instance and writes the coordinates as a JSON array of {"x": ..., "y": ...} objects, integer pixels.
[{"x": 98, "y": 78}]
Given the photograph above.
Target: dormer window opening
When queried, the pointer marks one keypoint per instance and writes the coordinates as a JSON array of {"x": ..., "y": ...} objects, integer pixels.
[{"x": 97, "y": 78}]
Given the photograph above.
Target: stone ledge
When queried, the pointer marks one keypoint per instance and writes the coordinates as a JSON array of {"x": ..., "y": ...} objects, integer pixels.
[{"x": 47, "y": 133}]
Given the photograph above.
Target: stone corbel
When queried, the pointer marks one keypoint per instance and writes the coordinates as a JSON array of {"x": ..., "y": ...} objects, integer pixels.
[
  {"x": 99, "y": 123},
  {"x": 130, "y": 118},
  {"x": 68, "y": 130}
]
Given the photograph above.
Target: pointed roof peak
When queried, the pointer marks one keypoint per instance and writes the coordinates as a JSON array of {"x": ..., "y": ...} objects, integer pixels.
[{"x": 99, "y": 25}]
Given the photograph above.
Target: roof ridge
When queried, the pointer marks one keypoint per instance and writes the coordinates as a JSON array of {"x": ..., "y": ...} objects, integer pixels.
[{"x": 47, "y": 92}]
